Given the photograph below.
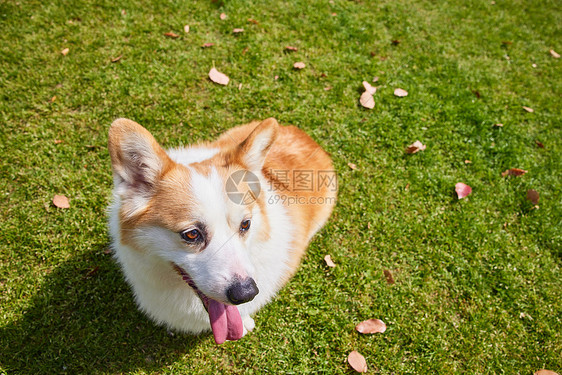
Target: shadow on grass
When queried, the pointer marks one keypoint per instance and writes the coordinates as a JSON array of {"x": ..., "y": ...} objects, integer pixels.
[{"x": 83, "y": 320}]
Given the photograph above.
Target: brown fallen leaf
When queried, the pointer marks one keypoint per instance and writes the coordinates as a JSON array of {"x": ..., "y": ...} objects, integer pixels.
[
  {"x": 415, "y": 147},
  {"x": 533, "y": 196},
  {"x": 222, "y": 16},
  {"x": 186, "y": 29},
  {"x": 400, "y": 93},
  {"x": 357, "y": 361},
  {"x": 554, "y": 54},
  {"x": 467, "y": 161},
  {"x": 238, "y": 31},
  {"x": 291, "y": 49},
  {"x": 387, "y": 273},
  {"x": 58, "y": 141},
  {"x": 329, "y": 262},
  {"x": 65, "y": 51},
  {"x": 299, "y": 65},
  {"x": 367, "y": 100},
  {"x": 52, "y": 100},
  {"x": 539, "y": 144},
  {"x": 61, "y": 201},
  {"x": 251, "y": 20},
  {"x": 218, "y": 77},
  {"x": 545, "y": 372},
  {"x": 514, "y": 172},
  {"x": 371, "y": 326},
  {"x": 463, "y": 190},
  {"x": 395, "y": 42},
  {"x": 352, "y": 166},
  {"x": 116, "y": 59},
  {"x": 528, "y": 109},
  {"x": 370, "y": 89},
  {"x": 171, "y": 35}
]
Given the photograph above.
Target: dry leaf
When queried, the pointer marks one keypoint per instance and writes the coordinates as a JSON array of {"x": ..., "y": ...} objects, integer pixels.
[
  {"x": 375, "y": 79},
  {"x": 329, "y": 262},
  {"x": 545, "y": 372},
  {"x": 327, "y": 88},
  {"x": 299, "y": 65},
  {"x": 65, "y": 51},
  {"x": 251, "y": 20},
  {"x": 533, "y": 196},
  {"x": 401, "y": 93},
  {"x": 371, "y": 326},
  {"x": 415, "y": 147},
  {"x": 370, "y": 89},
  {"x": 357, "y": 361},
  {"x": 116, "y": 59},
  {"x": 57, "y": 141},
  {"x": 237, "y": 31},
  {"x": 387, "y": 273},
  {"x": 218, "y": 77},
  {"x": 352, "y": 166},
  {"x": 276, "y": 78},
  {"x": 186, "y": 29},
  {"x": 395, "y": 42},
  {"x": 171, "y": 35},
  {"x": 528, "y": 109},
  {"x": 498, "y": 125},
  {"x": 514, "y": 172},
  {"x": 467, "y": 161},
  {"x": 462, "y": 190},
  {"x": 222, "y": 16},
  {"x": 367, "y": 100},
  {"x": 291, "y": 49},
  {"x": 539, "y": 144},
  {"x": 554, "y": 54},
  {"x": 61, "y": 201},
  {"x": 52, "y": 100},
  {"x": 207, "y": 45}
]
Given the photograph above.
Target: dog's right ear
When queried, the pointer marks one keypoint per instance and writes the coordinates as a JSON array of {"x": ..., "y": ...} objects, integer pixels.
[{"x": 137, "y": 159}]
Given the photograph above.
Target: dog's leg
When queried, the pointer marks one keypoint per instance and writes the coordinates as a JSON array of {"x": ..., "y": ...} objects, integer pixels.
[{"x": 248, "y": 323}]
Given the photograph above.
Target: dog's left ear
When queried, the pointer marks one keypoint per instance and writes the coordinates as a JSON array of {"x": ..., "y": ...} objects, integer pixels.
[{"x": 253, "y": 149}]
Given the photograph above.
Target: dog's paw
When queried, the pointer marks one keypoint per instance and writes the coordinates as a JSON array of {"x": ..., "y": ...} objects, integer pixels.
[{"x": 248, "y": 324}]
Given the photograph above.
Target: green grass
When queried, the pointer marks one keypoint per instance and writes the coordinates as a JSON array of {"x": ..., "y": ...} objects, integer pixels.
[{"x": 478, "y": 283}]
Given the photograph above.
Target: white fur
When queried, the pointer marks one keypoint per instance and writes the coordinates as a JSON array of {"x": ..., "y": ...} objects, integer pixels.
[{"x": 163, "y": 295}]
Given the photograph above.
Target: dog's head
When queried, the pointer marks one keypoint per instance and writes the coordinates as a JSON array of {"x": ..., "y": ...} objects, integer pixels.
[{"x": 190, "y": 216}]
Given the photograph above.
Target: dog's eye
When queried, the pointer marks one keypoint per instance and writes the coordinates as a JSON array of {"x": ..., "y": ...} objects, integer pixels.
[
  {"x": 245, "y": 225},
  {"x": 191, "y": 235}
]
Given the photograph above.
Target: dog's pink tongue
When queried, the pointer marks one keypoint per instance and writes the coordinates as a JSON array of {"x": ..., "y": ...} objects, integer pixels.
[{"x": 226, "y": 321}]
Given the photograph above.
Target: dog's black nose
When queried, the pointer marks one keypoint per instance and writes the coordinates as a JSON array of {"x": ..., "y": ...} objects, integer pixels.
[{"x": 242, "y": 291}]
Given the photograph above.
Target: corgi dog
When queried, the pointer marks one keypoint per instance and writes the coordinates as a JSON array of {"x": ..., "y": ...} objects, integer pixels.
[{"x": 208, "y": 234}]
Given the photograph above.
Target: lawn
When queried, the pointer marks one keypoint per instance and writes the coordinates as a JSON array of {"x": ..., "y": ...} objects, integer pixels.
[{"x": 478, "y": 286}]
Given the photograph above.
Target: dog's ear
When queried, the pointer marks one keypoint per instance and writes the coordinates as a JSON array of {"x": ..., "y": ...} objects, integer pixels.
[
  {"x": 137, "y": 159},
  {"x": 253, "y": 150}
]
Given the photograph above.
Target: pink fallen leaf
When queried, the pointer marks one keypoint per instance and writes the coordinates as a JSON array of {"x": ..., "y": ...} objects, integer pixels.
[
  {"x": 463, "y": 190},
  {"x": 400, "y": 93},
  {"x": 171, "y": 35},
  {"x": 375, "y": 79},
  {"x": 545, "y": 372},
  {"x": 58, "y": 141},
  {"x": 352, "y": 166},
  {"x": 357, "y": 361},
  {"x": 218, "y": 77},
  {"x": 116, "y": 59},
  {"x": 291, "y": 49},
  {"x": 186, "y": 29},
  {"x": 533, "y": 196},
  {"x": 222, "y": 16},
  {"x": 61, "y": 201},
  {"x": 415, "y": 147},
  {"x": 299, "y": 65},
  {"x": 237, "y": 31},
  {"x": 528, "y": 109},
  {"x": 467, "y": 161},
  {"x": 498, "y": 125},
  {"x": 370, "y": 89},
  {"x": 554, "y": 54},
  {"x": 371, "y": 326},
  {"x": 327, "y": 88},
  {"x": 65, "y": 51},
  {"x": 207, "y": 45},
  {"x": 514, "y": 172},
  {"x": 329, "y": 262},
  {"x": 367, "y": 100}
]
